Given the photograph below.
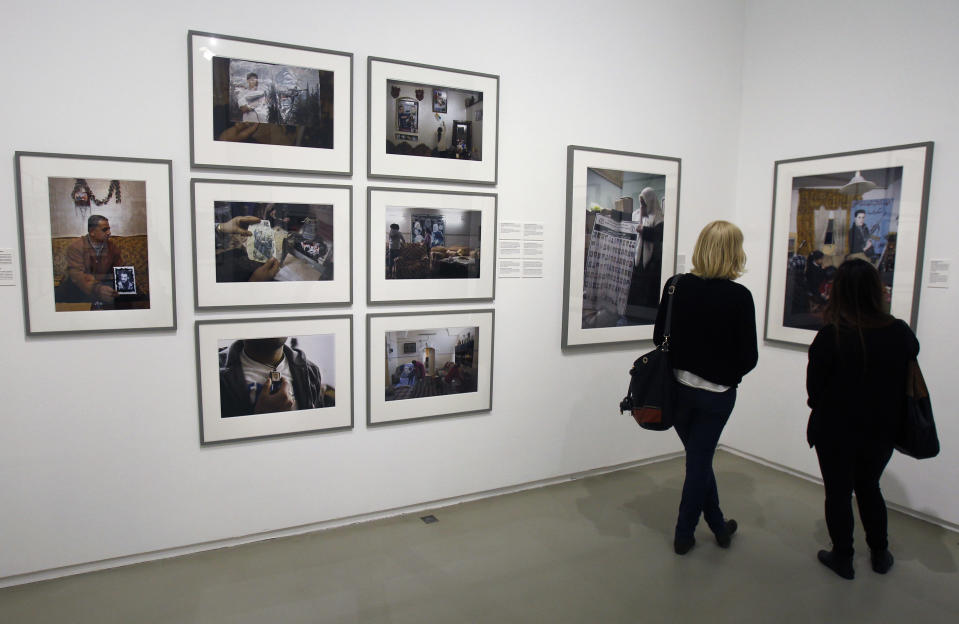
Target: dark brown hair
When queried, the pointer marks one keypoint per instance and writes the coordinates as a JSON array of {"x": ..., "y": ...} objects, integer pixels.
[
  {"x": 856, "y": 298},
  {"x": 856, "y": 302}
]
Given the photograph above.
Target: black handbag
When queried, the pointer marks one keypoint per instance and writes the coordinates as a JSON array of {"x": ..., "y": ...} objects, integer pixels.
[
  {"x": 651, "y": 385},
  {"x": 917, "y": 430}
]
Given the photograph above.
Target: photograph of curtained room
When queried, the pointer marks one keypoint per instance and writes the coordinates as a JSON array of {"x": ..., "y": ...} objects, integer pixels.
[{"x": 833, "y": 217}]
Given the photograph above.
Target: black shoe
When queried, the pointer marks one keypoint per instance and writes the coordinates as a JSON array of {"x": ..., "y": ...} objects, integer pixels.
[
  {"x": 881, "y": 561},
  {"x": 838, "y": 564},
  {"x": 725, "y": 536},
  {"x": 683, "y": 545}
]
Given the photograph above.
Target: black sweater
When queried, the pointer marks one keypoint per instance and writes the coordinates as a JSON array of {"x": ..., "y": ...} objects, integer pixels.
[
  {"x": 855, "y": 398},
  {"x": 713, "y": 331}
]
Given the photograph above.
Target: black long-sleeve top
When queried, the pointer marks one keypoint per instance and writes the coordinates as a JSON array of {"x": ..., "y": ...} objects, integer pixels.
[
  {"x": 856, "y": 398},
  {"x": 713, "y": 333}
]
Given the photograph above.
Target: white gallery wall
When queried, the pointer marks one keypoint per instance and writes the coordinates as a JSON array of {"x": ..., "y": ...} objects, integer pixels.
[
  {"x": 821, "y": 77},
  {"x": 99, "y": 446}
]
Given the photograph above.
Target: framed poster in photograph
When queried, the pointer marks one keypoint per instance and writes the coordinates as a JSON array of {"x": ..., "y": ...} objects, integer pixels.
[
  {"x": 259, "y": 378},
  {"x": 869, "y": 204},
  {"x": 265, "y": 105},
  {"x": 426, "y": 122},
  {"x": 270, "y": 244},
  {"x": 622, "y": 211},
  {"x": 430, "y": 246},
  {"x": 428, "y": 365},
  {"x": 95, "y": 242}
]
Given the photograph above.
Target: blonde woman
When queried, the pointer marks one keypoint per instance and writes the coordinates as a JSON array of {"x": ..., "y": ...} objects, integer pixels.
[{"x": 712, "y": 346}]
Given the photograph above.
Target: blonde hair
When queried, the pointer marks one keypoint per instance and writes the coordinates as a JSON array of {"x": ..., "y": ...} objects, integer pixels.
[{"x": 719, "y": 252}]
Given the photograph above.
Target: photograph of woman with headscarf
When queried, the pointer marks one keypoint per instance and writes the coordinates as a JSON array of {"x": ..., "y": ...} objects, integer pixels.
[
  {"x": 624, "y": 247},
  {"x": 644, "y": 287}
]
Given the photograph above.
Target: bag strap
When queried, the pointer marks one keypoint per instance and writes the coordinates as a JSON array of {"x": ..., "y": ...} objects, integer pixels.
[
  {"x": 915, "y": 384},
  {"x": 670, "y": 291}
]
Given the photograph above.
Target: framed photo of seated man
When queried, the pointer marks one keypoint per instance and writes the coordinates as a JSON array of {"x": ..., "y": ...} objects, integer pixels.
[{"x": 95, "y": 242}]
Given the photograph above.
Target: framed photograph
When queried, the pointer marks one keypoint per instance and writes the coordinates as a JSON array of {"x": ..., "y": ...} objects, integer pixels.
[
  {"x": 448, "y": 141},
  {"x": 428, "y": 365},
  {"x": 407, "y": 115},
  {"x": 622, "y": 211},
  {"x": 439, "y": 100},
  {"x": 270, "y": 244},
  {"x": 264, "y": 105},
  {"x": 430, "y": 245},
  {"x": 85, "y": 223},
  {"x": 124, "y": 280},
  {"x": 869, "y": 204},
  {"x": 259, "y": 378}
]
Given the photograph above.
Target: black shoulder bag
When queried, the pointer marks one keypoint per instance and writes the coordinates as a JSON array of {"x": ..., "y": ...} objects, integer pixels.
[
  {"x": 917, "y": 430},
  {"x": 651, "y": 384}
]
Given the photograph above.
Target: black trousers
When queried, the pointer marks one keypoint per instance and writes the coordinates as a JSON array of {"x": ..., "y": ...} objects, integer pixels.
[
  {"x": 700, "y": 418},
  {"x": 848, "y": 468}
]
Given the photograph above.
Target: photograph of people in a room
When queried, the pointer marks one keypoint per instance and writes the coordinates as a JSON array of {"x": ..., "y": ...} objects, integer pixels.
[
  {"x": 272, "y": 104},
  {"x": 271, "y": 375},
  {"x": 452, "y": 127},
  {"x": 431, "y": 243},
  {"x": 96, "y": 227},
  {"x": 834, "y": 217},
  {"x": 430, "y": 362},
  {"x": 623, "y": 246},
  {"x": 282, "y": 242}
]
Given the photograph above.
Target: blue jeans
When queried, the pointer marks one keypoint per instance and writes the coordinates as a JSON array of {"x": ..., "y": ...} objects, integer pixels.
[{"x": 700, "y": 418}]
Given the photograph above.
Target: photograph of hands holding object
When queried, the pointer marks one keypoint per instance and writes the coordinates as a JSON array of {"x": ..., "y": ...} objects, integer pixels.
[{"x": 265, "y": 242}]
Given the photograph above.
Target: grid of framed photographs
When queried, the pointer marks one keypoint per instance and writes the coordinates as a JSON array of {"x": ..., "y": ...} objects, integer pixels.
[
  {"x": 102, "y": 228},
  {"x": 869, "y": 204},
  {"x": 622, "y": 211},
  {"x": 437, "y": 124}
]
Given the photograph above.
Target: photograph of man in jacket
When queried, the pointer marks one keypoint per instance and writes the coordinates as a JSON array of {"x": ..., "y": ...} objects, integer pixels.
[{"x": 267, "y": 375}]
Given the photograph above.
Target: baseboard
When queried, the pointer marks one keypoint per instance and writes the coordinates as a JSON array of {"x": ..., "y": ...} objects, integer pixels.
[
  {"x": 169, "y": 553},
  {"x": 815, "y": 479}
]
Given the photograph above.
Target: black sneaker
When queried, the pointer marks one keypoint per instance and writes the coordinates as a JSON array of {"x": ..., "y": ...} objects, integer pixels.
[
  {"x": 881, "y": 561},
  {"x": 683, "y": 545},
  {"x": 838, "y": 564},
  {"x": 725, "y": 536}
]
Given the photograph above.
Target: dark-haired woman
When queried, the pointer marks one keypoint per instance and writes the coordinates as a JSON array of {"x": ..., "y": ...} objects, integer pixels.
[{"x": 856, "y": 381}]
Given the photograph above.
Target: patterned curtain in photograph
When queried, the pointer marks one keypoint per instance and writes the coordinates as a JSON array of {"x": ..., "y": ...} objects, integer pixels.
[{"x": 812, "y": 219}]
